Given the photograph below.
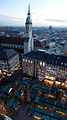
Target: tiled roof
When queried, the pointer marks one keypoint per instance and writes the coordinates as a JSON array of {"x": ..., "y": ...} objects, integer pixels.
[
  {"x": 17, "y": 41},
  {"x": 7, "y": 53},
  {"x": 11, "y": 40}
]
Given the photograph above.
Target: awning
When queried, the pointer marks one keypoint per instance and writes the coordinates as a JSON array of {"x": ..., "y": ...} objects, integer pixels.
[
  {"x": 25, "y": 83},
  {"x": 10, "y": 102},
  {"x": 16, "y": 93},
  {"x": 45, "y": 117},
  {"x": 6, "y": 89},
  {"x": 37, "y": 114},
  {"x": 36, "y": 99},
  {"x": 39, "y": 110},
  {"x": 18, "y": 82},
  {"x": 15, "y": 104},
  {"x": 53, "y": 119}
]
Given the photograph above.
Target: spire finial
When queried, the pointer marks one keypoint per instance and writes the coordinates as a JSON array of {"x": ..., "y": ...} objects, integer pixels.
[{"x": 29, "y": 9}]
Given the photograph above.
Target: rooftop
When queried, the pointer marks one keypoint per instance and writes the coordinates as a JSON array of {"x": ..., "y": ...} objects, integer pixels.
[
  {"x": 11, "y": 40},
  {"x": 5, "y": 54},
  {"x": 58, "y": 60}
]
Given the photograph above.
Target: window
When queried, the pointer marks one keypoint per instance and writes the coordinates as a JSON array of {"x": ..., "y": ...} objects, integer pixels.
[
  {"x": 65, "y": 64},
  {"x": 31, "y": 62},
  {"x": 40, "y": 63},
  {"x": 43, "y": 63},
  {"x": 26, "y": 60},
  {"x": 23, "y": 60},
  {"x": 61, "y": 63}
]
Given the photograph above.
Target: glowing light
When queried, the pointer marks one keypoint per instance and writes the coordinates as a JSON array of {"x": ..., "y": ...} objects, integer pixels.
[
  {"x": 40, "y": 63},
  {"x": 23, "y": 59},
  {"x": 0, "y": 71},
  {"x": 10, "y": 90},
  {"x": 62, "y": 84},
  {"x": 43, "y": 64},
  {"x": 26, "y": 60},
  {"x": 31, "y": 62},
  {"x": 57, "y": 82},
  {"x": 48, "y": 77},
  {"x": 66, "y": 81}
]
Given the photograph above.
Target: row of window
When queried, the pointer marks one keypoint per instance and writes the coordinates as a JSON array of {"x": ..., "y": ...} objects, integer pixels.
[
  {"x": 12, "y": 46},
  {"x": 48, "y": 65},
  {"x": 29, "y": 61},
  {"x": 41, "y": 72}
]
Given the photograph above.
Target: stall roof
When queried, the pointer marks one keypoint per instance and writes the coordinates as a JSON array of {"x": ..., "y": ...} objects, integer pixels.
[
  {"x": 45, "y": 117},
  {"x": 39, "y": 110},
  {"x": 37, "y": 114}
]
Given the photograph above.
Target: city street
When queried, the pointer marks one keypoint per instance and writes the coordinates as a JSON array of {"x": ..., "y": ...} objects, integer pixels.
[{"x": 21, "y": 115}]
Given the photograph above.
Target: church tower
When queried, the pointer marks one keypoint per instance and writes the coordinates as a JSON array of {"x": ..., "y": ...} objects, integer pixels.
[{"x": 28, "y": 39}]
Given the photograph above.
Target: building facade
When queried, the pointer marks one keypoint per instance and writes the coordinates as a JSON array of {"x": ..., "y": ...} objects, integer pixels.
[
  {"x": 9, "y": 61},
  {"x": 50, "y": 68},
  {"x": 65, "y": 48}
]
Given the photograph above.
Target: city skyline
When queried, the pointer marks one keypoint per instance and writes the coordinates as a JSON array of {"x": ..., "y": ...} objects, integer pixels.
[{"x": 44, "y": 13}]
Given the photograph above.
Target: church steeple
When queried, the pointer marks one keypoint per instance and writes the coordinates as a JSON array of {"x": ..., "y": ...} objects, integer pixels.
[
  {"x": 29, "y": 9},
  {"x": 28, "y": 42},
  {"x": 29, "y": 20}
]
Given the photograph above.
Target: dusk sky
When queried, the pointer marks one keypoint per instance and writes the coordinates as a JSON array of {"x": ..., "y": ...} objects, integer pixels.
[{"x": 43, "y": 12}]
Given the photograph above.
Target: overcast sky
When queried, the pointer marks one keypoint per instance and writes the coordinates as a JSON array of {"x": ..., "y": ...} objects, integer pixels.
[{"x": 43, "y": 12}]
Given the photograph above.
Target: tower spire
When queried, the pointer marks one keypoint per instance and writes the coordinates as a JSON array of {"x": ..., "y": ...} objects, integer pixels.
[
  {"x": 29, "y": 9},
  {"x": 28, "y": 42}
]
